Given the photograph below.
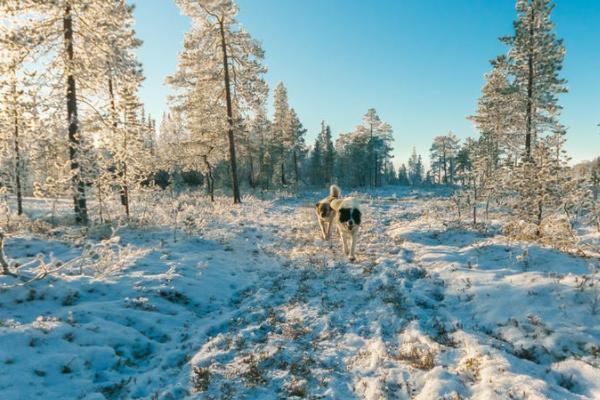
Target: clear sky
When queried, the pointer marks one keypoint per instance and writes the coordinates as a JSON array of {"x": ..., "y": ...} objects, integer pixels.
[{"x": 420, "y": 63}]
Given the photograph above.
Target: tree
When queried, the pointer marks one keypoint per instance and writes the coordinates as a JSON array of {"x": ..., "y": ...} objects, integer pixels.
[
  {"x": 379, "y": 148},
  {"x": 443, "y": 154},
  {"x": 415, "y": 169},
  {"x": 281, "y": 139},
  {"x": 403, "y": 179},
  {"x": 298, "y": 144},
  {"x": 534, "y": 61},
  {"x": 77, "y": 55},
  {"x": 14, "y": 106},
  {"x": 327, "y": 152},
  {"x": 595, "y": 178},
  {"x": 217, "y": 49}
]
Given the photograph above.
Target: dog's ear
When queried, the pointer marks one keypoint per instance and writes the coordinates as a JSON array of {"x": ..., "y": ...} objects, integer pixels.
[{"x": 317, "y": 205}]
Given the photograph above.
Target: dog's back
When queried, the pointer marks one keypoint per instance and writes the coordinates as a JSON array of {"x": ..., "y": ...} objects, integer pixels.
[{"x": 323, "y": 207}]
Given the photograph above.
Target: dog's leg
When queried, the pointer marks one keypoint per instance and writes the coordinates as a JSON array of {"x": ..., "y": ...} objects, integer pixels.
[
  {"x": 346, "y": 244},
  {"x": 321, "y": 222},
  {"x": 343, "y": 240},
  {"x": 329, "y": 220},
  {"x": 329, "y": 229},
  {"x": 353, "y": 248}
]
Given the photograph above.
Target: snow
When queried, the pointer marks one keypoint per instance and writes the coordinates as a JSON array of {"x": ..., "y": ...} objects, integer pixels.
[{"x": 254, "y": 304}]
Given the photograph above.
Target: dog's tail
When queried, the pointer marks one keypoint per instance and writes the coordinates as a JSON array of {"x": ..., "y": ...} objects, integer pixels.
[{"x": 334, "y": 191}]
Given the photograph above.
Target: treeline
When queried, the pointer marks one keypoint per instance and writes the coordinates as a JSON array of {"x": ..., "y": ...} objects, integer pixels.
[{"x": 71, "y": 122}]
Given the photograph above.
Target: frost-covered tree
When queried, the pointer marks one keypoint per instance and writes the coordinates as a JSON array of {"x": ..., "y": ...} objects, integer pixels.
[
  {"x": 535, "y": 60},
  {"x": 416, "y": 169},
  {"x": 222, "y": 60},
  {"x": 80, "y": 42},
  {"x": 379, "y": 146},
  {"x": 296, "y": 133},
  {"x": 15, "y": 132},
  {"x": 499, "y": 116},
  {"x": 280, "y": 131},
  {"x": 595, "y": 178},
  {"x": 403, "y": 179},
  {"x": 443, "y": 157},
  {"x": 322, "y": 158},
  {"x": 327, "y": 152}
]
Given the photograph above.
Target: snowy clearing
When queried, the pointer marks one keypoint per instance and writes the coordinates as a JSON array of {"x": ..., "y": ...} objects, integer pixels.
[{"x": 259, "y": 307}]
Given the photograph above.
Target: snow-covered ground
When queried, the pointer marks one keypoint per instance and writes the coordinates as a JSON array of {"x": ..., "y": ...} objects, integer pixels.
[{"x": 256, "y": 306}]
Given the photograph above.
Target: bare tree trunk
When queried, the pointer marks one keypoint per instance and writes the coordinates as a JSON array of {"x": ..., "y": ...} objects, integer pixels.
[
  {"x": 79, "y": 200},
  {"x": 232, "y": 158},
  {"x": 18, "y": 189},
  {"x": 283, "y": 182}
]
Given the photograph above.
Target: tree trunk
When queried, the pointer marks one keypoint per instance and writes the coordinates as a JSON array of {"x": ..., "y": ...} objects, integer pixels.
[
  {"x": 474, "y": 203},
  {"x": 283, "y": 182},
  {"x": 251, "y": 178},
  {"x": 124, "y": 186},
  {"x": 79, "y": 200},
  {"x": 539, "y": 219},
  {"x": 124, "y": 192},
  {"x": 297, "y": 178},
  {"x": 17, "y": 150},
  {"x": 210, "y": 182},
  {"x": 375, "y": 169},
  {"x": 529, "y": 111},
  {"x": 234, "y": 178}
]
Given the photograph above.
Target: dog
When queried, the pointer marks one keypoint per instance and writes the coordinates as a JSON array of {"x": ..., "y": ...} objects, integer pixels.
[
  {"x": 325, "y": 213},
  {"x": 347, "y": 218}
]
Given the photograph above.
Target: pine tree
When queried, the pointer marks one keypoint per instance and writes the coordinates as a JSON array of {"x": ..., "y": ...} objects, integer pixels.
[
  {"x": 535, "y": 60},
  {"x": 379, "y": 148},
  {"x": 327, "y": 152},
  {"x": 220, "y": 58},
  {"x": 499, "y": 115},
  {"x": 403, "y": 179},
  {"x": 281, "y": 137},
  {"x": 443, "y": 157},
  {"x": 296, "y": 133},
  {"x": 415, "y": 169},
  {"x": 316, "y": 165}
]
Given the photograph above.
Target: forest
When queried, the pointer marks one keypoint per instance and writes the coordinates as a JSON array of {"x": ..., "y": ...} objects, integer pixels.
[{"x": 177, "y": 256}]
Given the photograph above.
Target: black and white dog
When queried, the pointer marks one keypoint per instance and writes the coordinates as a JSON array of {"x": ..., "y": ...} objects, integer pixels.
[
  {"x": 347, "y": 218},
  {"x": 325, "y": 213}
]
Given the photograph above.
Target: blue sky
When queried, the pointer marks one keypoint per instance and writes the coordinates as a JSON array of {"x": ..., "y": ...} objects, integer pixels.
[{"x": 420, "y": 63}]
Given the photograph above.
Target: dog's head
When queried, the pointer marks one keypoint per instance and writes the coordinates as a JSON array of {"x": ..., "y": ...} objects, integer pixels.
[
  {"x": 350, "y": 217},
  {"x": 323, "y": 209},
  {"x": 348, "y": 212}
]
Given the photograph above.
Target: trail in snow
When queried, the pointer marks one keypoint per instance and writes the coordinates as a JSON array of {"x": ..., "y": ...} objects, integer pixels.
[{"x": 262, "y": 308}]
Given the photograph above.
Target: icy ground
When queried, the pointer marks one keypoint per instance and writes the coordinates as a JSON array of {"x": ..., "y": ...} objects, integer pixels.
[{"x": 259, "y": 307}]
